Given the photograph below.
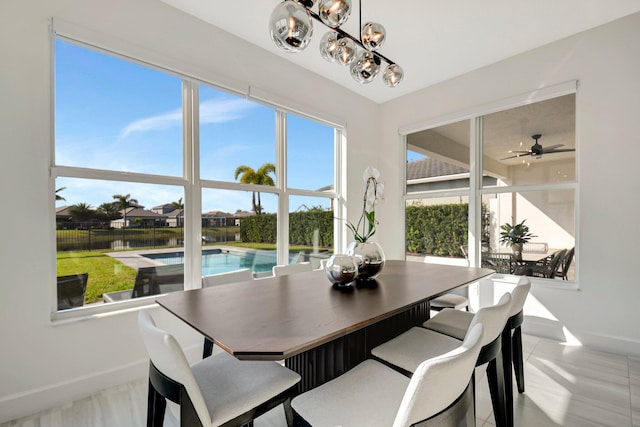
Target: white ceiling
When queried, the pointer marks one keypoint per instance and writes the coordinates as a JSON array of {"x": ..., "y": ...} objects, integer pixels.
[{"x": 433, "y": 40}]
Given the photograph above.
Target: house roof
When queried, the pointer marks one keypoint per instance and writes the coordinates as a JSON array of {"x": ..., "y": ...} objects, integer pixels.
[{"x": 430, "y": 167}]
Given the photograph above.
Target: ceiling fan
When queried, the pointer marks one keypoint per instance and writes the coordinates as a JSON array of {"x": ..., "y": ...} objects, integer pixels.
[{"x": 538, "y": 150}]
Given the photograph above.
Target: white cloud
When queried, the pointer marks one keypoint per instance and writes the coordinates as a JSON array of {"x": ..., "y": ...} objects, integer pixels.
[{"x": 211, "y": 111}]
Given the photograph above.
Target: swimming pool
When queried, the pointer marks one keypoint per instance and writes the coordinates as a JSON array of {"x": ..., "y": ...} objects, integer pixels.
[{"x": 221, "y": 261}]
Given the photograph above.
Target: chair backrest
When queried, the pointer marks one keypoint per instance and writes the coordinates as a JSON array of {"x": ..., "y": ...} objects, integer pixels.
[
  {"x": 566, "y": 261},
  {"x": 493, "y": 318},
  {"x": 71, "y": 290},
  {"x": 283, "y": 270},
  {"x": 555, "y": 262},
  {"x": 167, "y": 356},
  {"x": 439, "y": 381},
  {"x": 158, "y": 280},
  {"x": 519, "y": 295},
  {"x": 229, "y": 277}
]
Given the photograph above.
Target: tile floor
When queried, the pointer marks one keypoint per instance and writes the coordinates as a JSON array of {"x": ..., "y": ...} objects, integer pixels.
[{"x": 565, "y": 386}]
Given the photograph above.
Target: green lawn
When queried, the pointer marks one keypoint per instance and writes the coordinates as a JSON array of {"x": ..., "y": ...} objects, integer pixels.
[
  {"x": 105, "y": 273},
  {"x": 109, "y": 275}
]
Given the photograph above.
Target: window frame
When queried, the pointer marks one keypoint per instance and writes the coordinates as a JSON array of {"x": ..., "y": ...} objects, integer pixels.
[
  {"x": 191, "y": 182},
  {"x": 476, "y": 191}
]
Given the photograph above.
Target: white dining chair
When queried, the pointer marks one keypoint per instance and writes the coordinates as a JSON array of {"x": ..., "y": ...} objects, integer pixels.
[
  {"x": 217, "y": 391},
  {"x": 455, "y": 323},
  {"x": 407, "y": 350},
  {"x": 457, "y": 298},
  {"x": 242, "y": 275},
  {"x": 284, "y": 270},
  {"x": 372, "y": 394}
]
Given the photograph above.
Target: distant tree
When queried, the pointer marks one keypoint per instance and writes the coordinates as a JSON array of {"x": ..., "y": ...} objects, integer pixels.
[
  {"x": 108, "y": 211},
  {"x": 59, "y": 197},
  {"x": 124, "y": 202},
  {"x": 178, "y": 204},
  {"x": 82, "y": 212},
  {"x": 260, "y": 177}
]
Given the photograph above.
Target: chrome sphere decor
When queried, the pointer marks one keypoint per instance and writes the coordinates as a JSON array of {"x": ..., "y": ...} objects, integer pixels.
[{"x": 291, "y": 27}]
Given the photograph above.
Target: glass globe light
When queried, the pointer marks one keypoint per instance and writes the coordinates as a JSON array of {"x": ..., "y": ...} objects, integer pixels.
[
  {"x": 334, "y": 12},
  {"x": 290, "y": 26},
  {"x": 373, "y": 35},
  {"x": 328, "y": 46},
  {"x": 346, "y": 51},
  {"x": 393, "y": 75},
  {"x": 366, "y": 67},
  {"x": 306, "y": 3}
]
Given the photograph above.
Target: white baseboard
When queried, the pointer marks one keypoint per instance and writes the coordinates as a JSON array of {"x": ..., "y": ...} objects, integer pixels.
[
  {"x": 50, "y": 396},
  {"x": 555, "y": 330}
]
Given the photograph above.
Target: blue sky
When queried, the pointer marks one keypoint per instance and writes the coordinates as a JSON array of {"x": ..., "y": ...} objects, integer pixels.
[{"x": 117, "y": 115}]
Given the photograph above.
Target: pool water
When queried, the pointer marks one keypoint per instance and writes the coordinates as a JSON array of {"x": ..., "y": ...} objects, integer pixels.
[{"x": 222, "y": 261}]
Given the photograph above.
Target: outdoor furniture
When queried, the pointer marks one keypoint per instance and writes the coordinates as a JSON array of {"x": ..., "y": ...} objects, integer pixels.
[
  {"x": 217, "y": 391},
  {"x": 546, "y": 267},
  {"x": 71, "y": 290},
  {"x": 456, "y": 324},
  {"x": 408, "y": 350},
  {"x": 566, "y": 263},
  {"x": 319, "y": 332},
  {"x": 501, "y": 262},
  {"x": 283, "y": 270},
  {"x": 372, "y": 394},
  {"x": 158, "y": 280}
]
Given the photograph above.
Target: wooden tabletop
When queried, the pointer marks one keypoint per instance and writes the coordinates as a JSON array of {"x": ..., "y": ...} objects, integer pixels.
[{"x": 279, "y": 317}]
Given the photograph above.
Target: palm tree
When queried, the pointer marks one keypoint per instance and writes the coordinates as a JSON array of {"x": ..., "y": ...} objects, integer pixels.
[
  {"x": 178, "y": 204},
  {"x": 260, "y": 177},
  {"x": 124, "y": 202},
  {"x": 59, "y": 197},
  {"x": 81, "y": 212}
]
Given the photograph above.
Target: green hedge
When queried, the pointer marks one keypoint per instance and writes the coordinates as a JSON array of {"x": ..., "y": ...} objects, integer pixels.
[
  {"x": 440, "y": 229},
  {"x": 263, "y": 228}
]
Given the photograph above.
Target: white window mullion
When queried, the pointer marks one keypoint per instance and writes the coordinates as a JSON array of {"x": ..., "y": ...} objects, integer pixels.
[
  {"x": 475, "y": 197},
  {"x": 281, "y": 183}
]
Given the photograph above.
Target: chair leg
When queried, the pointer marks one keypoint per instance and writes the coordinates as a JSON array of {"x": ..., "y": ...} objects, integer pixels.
[
  {"x": 496, "y": 388},
  {"x": 288, "y": 412},
  {"x": 518, "y": 360},
  {"x": 507, "y": 356},
  {"x": 156, "y": 405},
  {"x": 208, "y": 348}
]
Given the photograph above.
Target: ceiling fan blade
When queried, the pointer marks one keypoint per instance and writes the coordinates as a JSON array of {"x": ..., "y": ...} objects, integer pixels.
[
  {"x": 551, "y": 147},
  {"x": 561, "y": 150},
  {"x": 517, "y": 155}
]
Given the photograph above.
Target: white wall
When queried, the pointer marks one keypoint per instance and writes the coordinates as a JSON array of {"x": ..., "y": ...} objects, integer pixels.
[
  {"x": 606, "y": 61},
  {"x": 42, "y": 363}
]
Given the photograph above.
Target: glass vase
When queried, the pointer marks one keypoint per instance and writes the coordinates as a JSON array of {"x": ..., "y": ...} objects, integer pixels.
[
  {"x": 341, "y": 270},
  {"x": 369, "y": 257}
]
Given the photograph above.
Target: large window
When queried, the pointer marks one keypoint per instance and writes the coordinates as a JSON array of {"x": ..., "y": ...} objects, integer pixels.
[
  {"x": 524, "y": 171},
  {"x": 160, "y": 179}
]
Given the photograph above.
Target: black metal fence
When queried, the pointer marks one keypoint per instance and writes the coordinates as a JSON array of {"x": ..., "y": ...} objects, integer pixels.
[{"x": 74, "y": 236}]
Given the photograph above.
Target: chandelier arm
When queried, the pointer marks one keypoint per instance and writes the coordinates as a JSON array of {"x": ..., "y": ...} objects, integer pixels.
[{"x": 343, "y": 33}]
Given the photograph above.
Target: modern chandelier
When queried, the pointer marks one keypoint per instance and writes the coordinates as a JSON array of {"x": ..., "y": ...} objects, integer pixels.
[{"x": 291, "y": 28}]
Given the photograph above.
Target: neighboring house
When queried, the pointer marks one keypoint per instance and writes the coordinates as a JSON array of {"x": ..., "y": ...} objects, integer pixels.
[
  {"x": 63, "y": 214},
  {"x": 174, "y": 217},
  {"x": 430, "y": 174},
  {"x": 218, "y": 219},
  {"x": 139, "y": 217}
]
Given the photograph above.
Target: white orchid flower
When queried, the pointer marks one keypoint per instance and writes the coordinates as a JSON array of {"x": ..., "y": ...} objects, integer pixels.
[{"x": 371, "y": 172}]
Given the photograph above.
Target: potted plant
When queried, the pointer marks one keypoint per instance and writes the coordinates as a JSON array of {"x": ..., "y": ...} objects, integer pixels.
[{"x": 515, "y": 236}]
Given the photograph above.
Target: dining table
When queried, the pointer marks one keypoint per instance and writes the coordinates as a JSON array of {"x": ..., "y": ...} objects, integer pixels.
[{"x": 317, "y": 330}]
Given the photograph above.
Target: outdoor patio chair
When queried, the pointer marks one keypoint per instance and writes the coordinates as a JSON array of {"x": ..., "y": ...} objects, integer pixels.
[
  {"x": 158, "y": 280},
  {"x": 563, "y": 269},
  {"x": 217, "y": 391},
  {"x": 71, "y": 290},
  {"x": 372, "y": 394},
  {"x": 548, "y": 266}
]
